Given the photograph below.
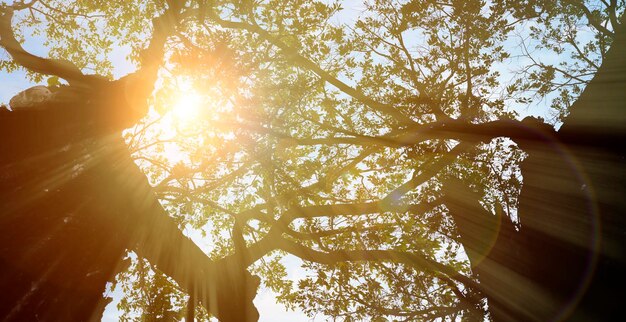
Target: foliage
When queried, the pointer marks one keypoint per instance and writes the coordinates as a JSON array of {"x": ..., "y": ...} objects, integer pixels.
[
  {"x": 315, "y": 133},
  {"x": 150, "y": 295}
]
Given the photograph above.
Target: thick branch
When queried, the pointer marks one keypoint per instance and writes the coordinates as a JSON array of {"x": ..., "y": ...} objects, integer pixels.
[
  {"x": 450, "y": 129},
  {"x": 273, "y": 239},
  {"x": 350, "y": 209},
  {"x": 590, "y": 17},
  {"x": 217, "y": 285},
  {"x": 411, "y": 259},
  {"x": 151, "y": 57},
  {"x": 163, "y": 26},
  {"x": 63, "y": 69}
]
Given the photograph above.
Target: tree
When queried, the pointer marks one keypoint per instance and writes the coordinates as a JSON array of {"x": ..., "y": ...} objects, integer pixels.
[
  {"x": 385, "y": 152},
  {"x": 73, "y": 200}
]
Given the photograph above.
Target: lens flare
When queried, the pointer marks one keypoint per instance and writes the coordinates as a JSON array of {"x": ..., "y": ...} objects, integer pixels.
[{"x": 187, "y": 108}]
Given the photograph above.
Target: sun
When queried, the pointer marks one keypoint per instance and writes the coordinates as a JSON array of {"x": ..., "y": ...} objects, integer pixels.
[
  {"x": 178, "y": 120},
  {"x": 187, "y": 107}
]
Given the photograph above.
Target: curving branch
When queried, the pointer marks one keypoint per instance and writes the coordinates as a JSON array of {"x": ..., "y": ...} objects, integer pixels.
[
  {"x": 412, "y": 259},
  {"x": 593, "y": 21},
  {"x": 273, "y": 240},
  {"x": 351, "y": 209},
  {"x": 60, "y": 68},
  {"x": 163, "y": 26},
  {"x": 223, "y": 287},
  {"x": 518, "y": 131},
  {"x": 151, "y": 57}
]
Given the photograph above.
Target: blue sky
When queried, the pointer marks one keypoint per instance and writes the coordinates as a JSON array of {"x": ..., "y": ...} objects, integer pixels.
[
  {"x": 16, "y": 81},
  {"x": 270, "y": 311}
]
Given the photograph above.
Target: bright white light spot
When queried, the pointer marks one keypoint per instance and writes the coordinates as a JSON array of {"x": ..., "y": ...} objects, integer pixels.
[{"x": 187, "y": 108}]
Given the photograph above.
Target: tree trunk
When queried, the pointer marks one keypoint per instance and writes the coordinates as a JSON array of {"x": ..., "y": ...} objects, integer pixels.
[
  {"x": 567, "y": 259},
  {"x": 72, "y": 202}
]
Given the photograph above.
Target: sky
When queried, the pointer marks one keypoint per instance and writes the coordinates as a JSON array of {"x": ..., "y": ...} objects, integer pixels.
[
  {"x": 269, "y": 310},
  {"x": 12, "y": 83}
]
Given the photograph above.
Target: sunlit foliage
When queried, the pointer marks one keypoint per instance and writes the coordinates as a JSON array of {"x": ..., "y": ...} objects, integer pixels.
[{"x": 303, "y": 127}]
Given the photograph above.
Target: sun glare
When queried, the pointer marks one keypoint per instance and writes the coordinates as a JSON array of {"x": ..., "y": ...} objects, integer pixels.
[
  {"x": 179, "y": 119},
  {"x": 187, "y": 108}
]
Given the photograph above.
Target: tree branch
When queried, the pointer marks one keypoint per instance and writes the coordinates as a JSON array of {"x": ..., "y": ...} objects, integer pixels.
[
  {"x": 63, "y": 69},
  {"x": 350, "y": 209},
  {"x": 304, "y": 62},
  {"x": 415, "y": 260},
  {"x": 589, "y": 15},
  {"x": 448, "y": 129},
  {"x": 428, "y": 171}
]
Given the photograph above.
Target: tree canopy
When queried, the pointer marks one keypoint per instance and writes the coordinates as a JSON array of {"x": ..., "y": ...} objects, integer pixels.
[{"x": 355, "y": 136}]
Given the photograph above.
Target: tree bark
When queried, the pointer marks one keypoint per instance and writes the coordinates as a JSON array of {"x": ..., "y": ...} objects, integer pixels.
[
  {"x": 72, "y": 202},
  {"x": 567, "y": 259}
]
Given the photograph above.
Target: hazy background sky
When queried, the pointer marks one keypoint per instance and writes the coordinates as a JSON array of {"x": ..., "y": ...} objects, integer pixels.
[{"x": 12, "y": 83}]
